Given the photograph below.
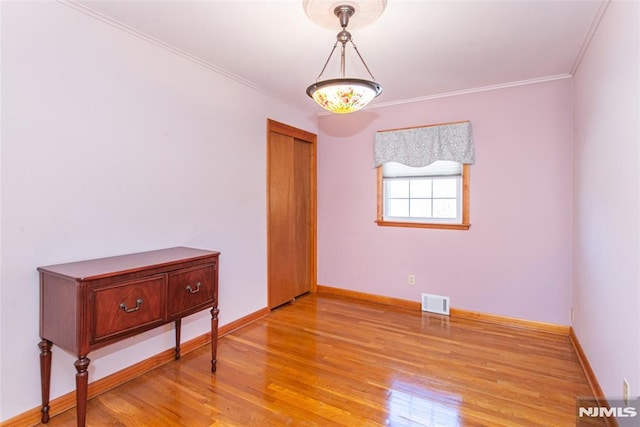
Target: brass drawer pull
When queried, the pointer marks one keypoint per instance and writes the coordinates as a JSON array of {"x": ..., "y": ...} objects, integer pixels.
[
  {"x": 190, "y": 289},
  {"x": 129, "y": 310}
]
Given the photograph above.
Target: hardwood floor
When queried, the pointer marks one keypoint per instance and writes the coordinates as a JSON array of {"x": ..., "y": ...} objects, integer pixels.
[{"x": 329, "y": 360}]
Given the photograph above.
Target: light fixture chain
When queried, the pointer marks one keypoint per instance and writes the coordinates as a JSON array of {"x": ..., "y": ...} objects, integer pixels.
[
  {"x": 361, "y": 59},
  {"x": 342, "y": 56},
  {"x": 327, "y": 62}
]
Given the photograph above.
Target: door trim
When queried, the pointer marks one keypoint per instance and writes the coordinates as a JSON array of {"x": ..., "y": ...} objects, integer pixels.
[{"x": 284, "y": 129}]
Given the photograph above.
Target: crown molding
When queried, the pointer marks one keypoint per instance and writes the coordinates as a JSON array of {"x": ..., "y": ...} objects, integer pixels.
[
  {"x": 472, "y": 90},
  {"x": 168, "y": 47},
  {"x": 587, "y": 39}
]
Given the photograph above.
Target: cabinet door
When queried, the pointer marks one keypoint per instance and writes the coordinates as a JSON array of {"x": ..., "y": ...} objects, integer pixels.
[
  {"x": 191, "y": 290},
  {"x": 125, "y": 307}
]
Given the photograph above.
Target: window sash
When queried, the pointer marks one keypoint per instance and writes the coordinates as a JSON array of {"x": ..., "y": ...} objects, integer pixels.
[
  {"x": 399, "y": 222},
  {"x": 428, "y": 212}
]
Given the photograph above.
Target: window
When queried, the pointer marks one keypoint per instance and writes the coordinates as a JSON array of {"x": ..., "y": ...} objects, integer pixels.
[
  {"x": 433, "y": 196},
  {"x": 434, "y": 191}
]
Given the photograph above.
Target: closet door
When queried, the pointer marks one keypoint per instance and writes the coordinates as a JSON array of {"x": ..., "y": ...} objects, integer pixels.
[
  {"x": 302, "y": 216},
  {"x": 291, "y": 213}
]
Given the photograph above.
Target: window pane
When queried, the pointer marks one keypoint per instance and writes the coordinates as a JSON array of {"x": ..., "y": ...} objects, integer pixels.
[
  {"x": 420, "y": 188},
  {"x": 397, "y": 188},
  {"x": 445, "y": 208},
  {"x": 445, "y": 187},
  {"x": 397, "y": 207},
  {"x": 420, "y": 208}
]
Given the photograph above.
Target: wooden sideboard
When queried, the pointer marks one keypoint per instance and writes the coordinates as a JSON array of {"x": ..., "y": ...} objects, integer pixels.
[{"x": 89, "y": 304}]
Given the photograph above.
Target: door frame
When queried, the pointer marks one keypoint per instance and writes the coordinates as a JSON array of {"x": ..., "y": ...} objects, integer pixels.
[{"x": 284, "y": 129}]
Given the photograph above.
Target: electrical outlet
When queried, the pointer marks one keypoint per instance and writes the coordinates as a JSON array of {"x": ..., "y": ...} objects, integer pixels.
[
  {"x": 412, "y": 280},
  {"x": 625, "y": 391}
]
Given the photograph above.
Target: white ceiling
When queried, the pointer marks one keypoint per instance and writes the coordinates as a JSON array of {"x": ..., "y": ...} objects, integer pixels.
[{"x": 416, "y": 49}]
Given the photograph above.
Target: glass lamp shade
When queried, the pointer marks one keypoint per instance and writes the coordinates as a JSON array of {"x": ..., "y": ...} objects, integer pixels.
[{"x": 344, "y": 95}]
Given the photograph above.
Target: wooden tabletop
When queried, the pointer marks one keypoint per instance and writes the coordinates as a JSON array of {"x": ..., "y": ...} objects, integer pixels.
[{"x": 122, "y": 264}]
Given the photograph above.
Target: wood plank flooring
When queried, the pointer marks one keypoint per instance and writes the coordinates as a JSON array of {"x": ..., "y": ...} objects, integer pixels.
[{"x": 328, "y": 360}]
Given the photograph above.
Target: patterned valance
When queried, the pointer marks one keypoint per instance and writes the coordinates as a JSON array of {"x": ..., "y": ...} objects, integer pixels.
[{"x": 422, "y": 146}]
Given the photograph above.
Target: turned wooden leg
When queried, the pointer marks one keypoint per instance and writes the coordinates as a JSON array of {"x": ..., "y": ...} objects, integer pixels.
[
  {"x": 82, "y": 380},
  {"x": 178, "y": 325},
  {"x": 45, "y": 376},
  {"x": 214, "y": 337}
]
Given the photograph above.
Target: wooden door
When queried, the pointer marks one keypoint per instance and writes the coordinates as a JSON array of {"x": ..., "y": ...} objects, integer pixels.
[{"x": 291, "y": 216}]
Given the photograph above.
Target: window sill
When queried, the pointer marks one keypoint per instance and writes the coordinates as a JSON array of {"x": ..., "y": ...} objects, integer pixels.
[{"x": 423, "y": 225}]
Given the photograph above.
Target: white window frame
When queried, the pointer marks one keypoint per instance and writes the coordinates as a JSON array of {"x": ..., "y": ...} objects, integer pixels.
[{"x": 461, "y": 222}]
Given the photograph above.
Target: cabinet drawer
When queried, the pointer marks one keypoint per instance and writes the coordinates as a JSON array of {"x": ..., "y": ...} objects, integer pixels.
[
  {"x": 127, "y": 306},
  {"x": 190, "y": 289}
]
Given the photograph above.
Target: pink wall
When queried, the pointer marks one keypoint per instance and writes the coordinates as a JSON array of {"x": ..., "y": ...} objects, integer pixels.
[
  {"x": 516, "y": 258},
  {"x": 606, "y": 292},
  {"x": 110, "y": 145}
]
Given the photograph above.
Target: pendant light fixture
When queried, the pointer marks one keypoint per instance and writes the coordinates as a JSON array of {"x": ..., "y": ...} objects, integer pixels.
[{"x": 344, "y": 94}]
